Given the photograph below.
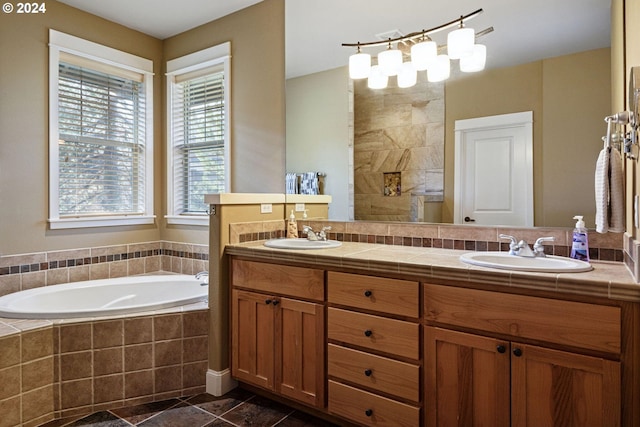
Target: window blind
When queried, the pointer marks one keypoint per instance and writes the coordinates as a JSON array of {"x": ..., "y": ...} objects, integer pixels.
[
  {"x": 101, "y": 122},
  {"x": 198, "y": 140}
]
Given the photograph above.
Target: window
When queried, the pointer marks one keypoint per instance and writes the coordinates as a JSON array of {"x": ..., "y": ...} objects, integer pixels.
[
  {"x": 198, "y": 147},
  {"x": 101, "y": 141}
]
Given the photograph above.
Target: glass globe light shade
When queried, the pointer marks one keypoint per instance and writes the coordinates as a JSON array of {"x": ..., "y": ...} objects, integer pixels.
[
  {"x": 440, "y": 69},
  {"x": 359, "y": 65},
  {"x": 460, "y": 43},
  {"x": 390, "y": 61},
  {"x": 377, "y": 79},
  {"x": 423, "y": 53},
  {"x": 408, "y": 75},
  {"x": 475, "y": 62}
]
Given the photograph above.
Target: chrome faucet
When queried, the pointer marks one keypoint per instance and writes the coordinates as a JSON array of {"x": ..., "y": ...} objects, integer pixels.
[
  {"x": 311, "y": 235},
  {"x": 204, "y": 276},
  {"x": 538, "y": 247},
  {"x": 523, "y": 249}
]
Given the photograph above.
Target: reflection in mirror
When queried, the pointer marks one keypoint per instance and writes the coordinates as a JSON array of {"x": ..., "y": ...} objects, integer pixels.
[{"x": 569, "y": 96}]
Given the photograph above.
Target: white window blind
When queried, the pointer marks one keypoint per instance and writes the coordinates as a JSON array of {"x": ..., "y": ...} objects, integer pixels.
[
  {"x": 101, "y": 124},
  {"x": 198, "y": 110}
]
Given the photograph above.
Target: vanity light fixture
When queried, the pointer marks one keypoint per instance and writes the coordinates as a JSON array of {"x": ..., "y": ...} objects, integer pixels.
[{"x": 424, "y": 54}]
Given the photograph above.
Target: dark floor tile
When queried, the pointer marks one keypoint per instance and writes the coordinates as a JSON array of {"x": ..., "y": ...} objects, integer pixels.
[
  {"x": 257, "y": 412},
  {"x": 181, "y": 415},
  {"x": 137, "y": 414},
  {"x": 300, "y": 419},
  {"x": 100, "y": 419},
  {"x": 218, "y": 405}
]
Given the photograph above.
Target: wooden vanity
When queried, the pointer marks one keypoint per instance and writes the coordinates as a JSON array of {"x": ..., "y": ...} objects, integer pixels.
[{"x": 379, "y": 335}]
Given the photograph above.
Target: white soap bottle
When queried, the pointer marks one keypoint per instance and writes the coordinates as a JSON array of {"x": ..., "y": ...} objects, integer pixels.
[{"x": 580, "y": 242}]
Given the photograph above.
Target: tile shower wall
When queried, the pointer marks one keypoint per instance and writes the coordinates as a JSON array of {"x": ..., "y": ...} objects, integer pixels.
[
  {"x": 26, "y": 271},
  {"x": 397, "y": 130}
]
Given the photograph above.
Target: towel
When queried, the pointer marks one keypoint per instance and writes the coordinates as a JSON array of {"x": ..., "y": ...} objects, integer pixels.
[{"x": 609, "y": 192}]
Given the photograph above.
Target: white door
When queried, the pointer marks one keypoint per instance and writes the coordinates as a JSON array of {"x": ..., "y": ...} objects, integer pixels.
[{"x": 494, "y": 170}]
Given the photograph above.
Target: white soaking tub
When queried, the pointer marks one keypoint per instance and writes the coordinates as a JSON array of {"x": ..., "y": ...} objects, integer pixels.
[{"x": 104, "y": 297}]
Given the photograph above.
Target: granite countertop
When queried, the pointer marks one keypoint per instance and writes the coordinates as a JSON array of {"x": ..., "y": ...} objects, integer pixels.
[{"x": 610, "y": 280}]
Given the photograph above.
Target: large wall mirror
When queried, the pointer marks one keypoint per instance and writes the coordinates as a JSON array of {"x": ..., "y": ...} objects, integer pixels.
[{"x": 548, "y": 57}]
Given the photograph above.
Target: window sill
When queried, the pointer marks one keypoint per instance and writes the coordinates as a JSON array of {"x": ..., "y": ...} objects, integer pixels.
[
  {"x": 99, "y": 221},
  {"x": 188, "y": 220}
]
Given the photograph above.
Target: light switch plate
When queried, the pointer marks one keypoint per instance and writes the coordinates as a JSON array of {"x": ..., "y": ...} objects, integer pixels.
[
  {"x": 299, "y": 207},
  {"x": 266, "y": 208}
]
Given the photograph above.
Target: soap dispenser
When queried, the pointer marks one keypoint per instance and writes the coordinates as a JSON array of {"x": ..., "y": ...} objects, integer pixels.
[
  {"x": 580, "y": 243},
  {"x": 292, "y": 228}
]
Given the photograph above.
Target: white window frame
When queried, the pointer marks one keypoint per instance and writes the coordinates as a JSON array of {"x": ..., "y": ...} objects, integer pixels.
[
  {"x": 216, "y": 55},
  {"x": 61, "y": 42}
]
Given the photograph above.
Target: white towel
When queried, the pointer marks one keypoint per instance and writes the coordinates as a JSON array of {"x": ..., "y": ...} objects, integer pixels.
[{"x": 609, "y": 192}]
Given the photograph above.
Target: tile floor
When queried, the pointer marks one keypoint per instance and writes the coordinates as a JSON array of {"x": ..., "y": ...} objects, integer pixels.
[{"x": 236, "y": 408}]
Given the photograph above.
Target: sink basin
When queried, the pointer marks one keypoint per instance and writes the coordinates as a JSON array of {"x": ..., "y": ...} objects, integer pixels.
[
  {"x": 548, "y": 264},
  {"x": 301, "y": 244}
]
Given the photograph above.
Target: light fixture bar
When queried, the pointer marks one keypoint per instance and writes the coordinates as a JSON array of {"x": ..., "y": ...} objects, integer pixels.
[{"x": 417, "y": 34}]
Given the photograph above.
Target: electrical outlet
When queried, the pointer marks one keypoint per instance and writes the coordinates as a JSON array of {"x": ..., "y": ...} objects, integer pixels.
[
  {"x": 266, "y": 208},
  {"x": 299, "y": 207}
]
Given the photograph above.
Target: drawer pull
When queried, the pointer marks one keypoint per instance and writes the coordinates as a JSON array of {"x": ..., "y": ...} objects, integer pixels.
[
  {"x": 501, "y": 349},
  {"x": 368, "y": 372},
  {"x": 368, "y": 412},
  {"x": 368, "y": 333},
  {"x": 517, "y": 352},
  {"x": 368, "y": 293}
]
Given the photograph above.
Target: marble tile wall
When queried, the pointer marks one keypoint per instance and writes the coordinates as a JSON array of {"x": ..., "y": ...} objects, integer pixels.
[{"x": 397, "y": 130}]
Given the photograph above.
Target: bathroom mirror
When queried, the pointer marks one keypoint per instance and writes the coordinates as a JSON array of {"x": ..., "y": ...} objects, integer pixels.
[{"x": 559, "y": 136}]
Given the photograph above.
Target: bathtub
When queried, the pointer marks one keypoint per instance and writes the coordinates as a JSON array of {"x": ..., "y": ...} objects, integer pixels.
[{"x": 104, "y": 297}]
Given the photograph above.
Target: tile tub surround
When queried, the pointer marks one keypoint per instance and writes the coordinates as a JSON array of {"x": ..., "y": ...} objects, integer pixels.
[
  {"x": 64, "y": 368},
  {"x": 26, "y": 271},
  {"x": 602, "y": 247}
]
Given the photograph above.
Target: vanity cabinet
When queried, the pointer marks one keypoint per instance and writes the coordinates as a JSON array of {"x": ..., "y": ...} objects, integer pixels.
[
  {"x": 511, "y": 360},
  {"x": 373, "y": 351},
  {"x": 277, "y": 329}
]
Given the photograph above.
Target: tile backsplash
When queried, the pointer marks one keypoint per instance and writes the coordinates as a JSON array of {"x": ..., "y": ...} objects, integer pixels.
[
  {"x": 26, "y": 271},
  {"x": 602, "y": 247}
]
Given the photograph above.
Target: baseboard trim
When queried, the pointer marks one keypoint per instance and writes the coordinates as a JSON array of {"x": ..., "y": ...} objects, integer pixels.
[{"x": 220, "y": 382}]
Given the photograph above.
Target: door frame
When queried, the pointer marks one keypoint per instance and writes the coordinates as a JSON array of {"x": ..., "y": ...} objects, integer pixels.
[{"x": 521, "y": 120}]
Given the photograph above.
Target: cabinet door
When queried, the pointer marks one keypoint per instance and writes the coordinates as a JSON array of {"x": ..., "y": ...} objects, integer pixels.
[
  {"x": 301, "y": 351},
  {"x": 466, "y": 379},
  {"x": 558, "y": 388},
  {"x": 252, "y": 337}
]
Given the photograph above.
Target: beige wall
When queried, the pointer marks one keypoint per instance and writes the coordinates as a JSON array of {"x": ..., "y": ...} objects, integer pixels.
[
  {"x": 318, "y": 132},
  {"x": 569, "y": 97},
  {"x": 257, "y": 133}
]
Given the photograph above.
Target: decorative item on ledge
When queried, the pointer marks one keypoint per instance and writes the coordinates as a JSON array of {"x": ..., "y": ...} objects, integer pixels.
[
  {"x": 392, "y": 184},
  {"x": 424, "y": 53}
]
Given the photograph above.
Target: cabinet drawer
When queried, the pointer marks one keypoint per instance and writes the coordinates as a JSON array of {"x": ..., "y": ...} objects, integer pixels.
[
  {"x": 381, "y": 294},
  {"x": 370, "y": 409},
  {"x": 376, "y": 372},
  {"x": 574, "y": 324},
  {"x": 392, "y": 336},
  {"x": 298, "y": 282}
]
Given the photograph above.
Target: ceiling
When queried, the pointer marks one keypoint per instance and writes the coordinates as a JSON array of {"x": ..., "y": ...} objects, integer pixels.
[{"x": 524, "y": 30}]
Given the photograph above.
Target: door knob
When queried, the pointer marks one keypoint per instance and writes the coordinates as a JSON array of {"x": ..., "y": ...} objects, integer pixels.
[{"x": 467, "y": 219}]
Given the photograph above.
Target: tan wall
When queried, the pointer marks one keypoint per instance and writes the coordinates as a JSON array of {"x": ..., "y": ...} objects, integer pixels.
[
  {"x": 24, "y": 182},
  {"x": 257, "y": 90},
  {"x": 257, "y": 42},
  {"x": 569, "y": 97}
]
